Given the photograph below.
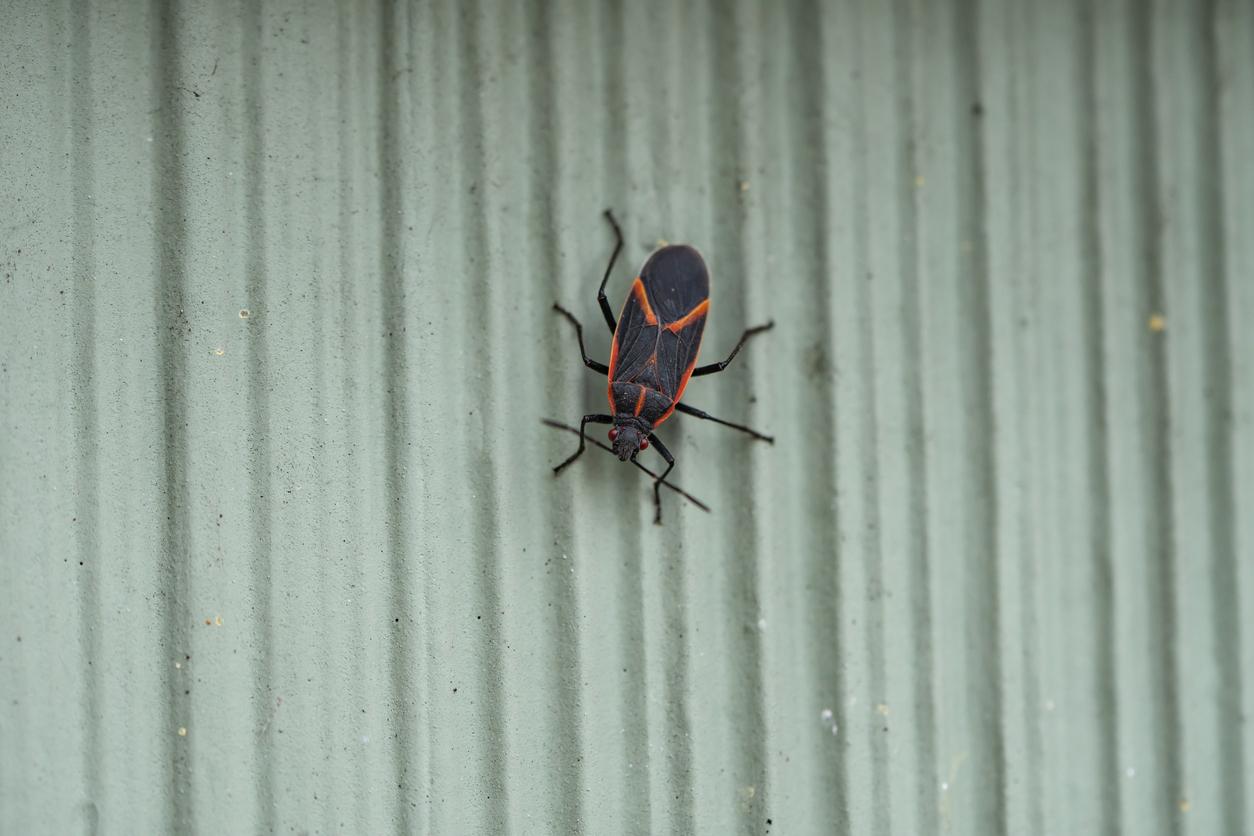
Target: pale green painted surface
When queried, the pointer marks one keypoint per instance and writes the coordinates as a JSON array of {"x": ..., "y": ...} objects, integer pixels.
[{"x": 994, "y": 576}]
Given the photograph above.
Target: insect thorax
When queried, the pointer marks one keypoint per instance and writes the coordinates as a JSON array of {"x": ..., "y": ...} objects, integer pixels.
[{"x": 631, "y": 401}]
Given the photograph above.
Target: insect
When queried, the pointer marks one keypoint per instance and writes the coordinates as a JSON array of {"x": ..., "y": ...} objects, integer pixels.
[{"x": 654, "y": 353}]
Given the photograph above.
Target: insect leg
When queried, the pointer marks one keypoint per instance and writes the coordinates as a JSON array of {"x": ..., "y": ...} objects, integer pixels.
[
  {"x": 657, "y": 485},
  {"x": 718, "y": 367},
  {"x": 587, "y": 361},
  {"x": 596, "y": 419},
  {"x": 558, "y": 425},
  {"x": 601, "y": 300},
  {"x": 701, "y": 413}
]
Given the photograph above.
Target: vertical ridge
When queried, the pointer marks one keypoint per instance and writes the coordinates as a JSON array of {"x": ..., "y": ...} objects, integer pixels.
[
  {"x": 928, "y": 804},
  {"x": 171, "y": 243},
  {"x": 327, "y": 471},
  {"x": 86, "y": 430},
  {"x": 259, "y": 463},
  {"x": 352, "y": 390},
  {"x": 678, "y": 720},
  {"x": 1225, "y": 615},
  {"x": 422, "y": 57},
  {"x": 1021, "y": 102},
  {"x": 1097, "y": 454},
  {"x": 747, "y": 707},
  {"x": 565, "y": 663},
  {"x": 1154, "y": 405},
  {"x": 869, "y": 432},
  {"x": 424, "y": 593},
  {"x": 395, "y": 409},
  {"x": 485, "y": 515},
  {"x": 823, "y": 585},
  {"x": 983, "y": 618}
]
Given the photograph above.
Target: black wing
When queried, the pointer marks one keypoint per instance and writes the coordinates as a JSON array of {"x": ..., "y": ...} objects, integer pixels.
[
  {"x": 676, "y": 282},
  {"x": 635, "y": 338},
  {"x": 659, "y": 330}
]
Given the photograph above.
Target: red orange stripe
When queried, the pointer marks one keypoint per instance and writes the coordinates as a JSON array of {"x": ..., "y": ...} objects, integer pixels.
[{"x": 683, "y": 322}]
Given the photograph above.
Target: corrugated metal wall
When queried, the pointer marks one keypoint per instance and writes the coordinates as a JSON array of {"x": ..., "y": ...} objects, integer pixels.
[{"x": 279, "y": 546}]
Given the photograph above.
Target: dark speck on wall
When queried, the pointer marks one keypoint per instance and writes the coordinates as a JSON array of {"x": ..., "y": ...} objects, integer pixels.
[{"x": 815, "y": 362}]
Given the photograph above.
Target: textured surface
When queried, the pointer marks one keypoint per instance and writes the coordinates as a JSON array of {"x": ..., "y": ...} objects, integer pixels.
[{"x": 279, "y": 547}]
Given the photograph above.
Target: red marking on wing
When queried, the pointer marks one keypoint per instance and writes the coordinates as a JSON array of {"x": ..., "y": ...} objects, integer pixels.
[
  {"x": 640, "y": 400},
  {"x": 613, "y": 355},
  {"x": 642, "y": 299},
  {"x": 683, "y": 322}
]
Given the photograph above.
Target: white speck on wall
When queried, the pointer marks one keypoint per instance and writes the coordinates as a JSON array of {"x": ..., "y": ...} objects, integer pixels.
[
  {"x": 365, "y": 739},
  {"x": 944, "y": 786},
  {"x": 762, "y": 624},
  {"x": 826, "y": 715},
  {"x": 1130, "y": 772}
]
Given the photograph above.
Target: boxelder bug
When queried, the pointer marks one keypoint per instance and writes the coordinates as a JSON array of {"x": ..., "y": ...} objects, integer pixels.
[{"x": 654, "y": 353}]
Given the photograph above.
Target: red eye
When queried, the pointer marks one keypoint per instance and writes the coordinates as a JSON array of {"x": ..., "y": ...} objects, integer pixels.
[
  {"x": 613, "y": 433},
  {"x": 644, "y": 444}
]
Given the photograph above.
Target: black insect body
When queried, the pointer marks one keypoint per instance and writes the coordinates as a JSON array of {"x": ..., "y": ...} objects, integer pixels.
[{"x": 654, "y": 353}]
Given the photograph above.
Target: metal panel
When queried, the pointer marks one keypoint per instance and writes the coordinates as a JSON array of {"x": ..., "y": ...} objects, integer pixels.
[{"x": 279, "y": 545}]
